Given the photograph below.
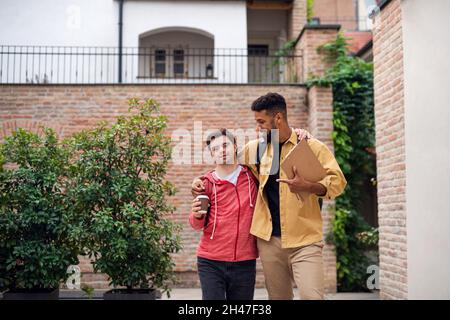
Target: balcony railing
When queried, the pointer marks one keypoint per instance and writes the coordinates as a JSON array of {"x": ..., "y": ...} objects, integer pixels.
[{"x": 98, "y": 65}]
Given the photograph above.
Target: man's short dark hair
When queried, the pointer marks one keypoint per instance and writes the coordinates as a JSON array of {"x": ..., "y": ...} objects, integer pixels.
[
  {"x": 218, "y": 133},
  {"x": 272, "y": 102}
]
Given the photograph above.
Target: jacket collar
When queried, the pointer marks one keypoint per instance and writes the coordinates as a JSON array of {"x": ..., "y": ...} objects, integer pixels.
[
  {"x": 213, "y": 179},
  {"x": 293, "y": 138}
]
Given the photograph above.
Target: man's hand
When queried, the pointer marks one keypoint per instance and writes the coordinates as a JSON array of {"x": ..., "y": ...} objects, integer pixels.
[
  {"x": 299, "y": 184},
  {"x": 196, "y": 206},
  {"x": 197, "y": 187},
  {"x": 302, "y": 134}
]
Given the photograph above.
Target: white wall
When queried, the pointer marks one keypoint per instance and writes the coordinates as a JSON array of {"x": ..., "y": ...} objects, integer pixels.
[
  {"x": 59, "y": 22},
  {"x": 95, "y": 23},
  {"x": 226, "y": 20},
  {"x": 427, "y": 140}
]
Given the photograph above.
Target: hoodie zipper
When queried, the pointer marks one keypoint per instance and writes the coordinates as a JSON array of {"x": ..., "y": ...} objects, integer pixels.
[
  {"x": 239, "y": 214},
  {"x": 237, "y": 228}
]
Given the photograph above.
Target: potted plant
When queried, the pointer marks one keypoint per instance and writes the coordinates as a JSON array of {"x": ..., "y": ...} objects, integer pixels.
[
  {"x": 39, "y": 233},
  {"x": 119, "y": 178}
]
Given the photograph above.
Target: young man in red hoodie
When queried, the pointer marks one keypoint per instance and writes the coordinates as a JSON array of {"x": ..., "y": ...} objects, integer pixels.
[{"x": 226, "y": 255}]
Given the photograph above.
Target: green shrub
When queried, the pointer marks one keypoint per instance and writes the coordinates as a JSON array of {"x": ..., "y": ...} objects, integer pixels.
[
  {"x": 39, "y": 233},
  {"x": 118, "y": 177}
]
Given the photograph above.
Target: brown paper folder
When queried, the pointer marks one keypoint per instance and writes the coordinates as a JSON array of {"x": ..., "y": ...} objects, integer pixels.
[{"x": 306, "y": 162}]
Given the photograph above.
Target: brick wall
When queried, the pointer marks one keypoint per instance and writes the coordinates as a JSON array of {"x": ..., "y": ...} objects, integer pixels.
[
  {"x": 296, "y": 18},
  {"x": 309, "y": 40},
  {"x": 296, "y": 22},
  {"x": 71, "y": 108},
  {"x": 336, "y": 11},
  {"x": 390, "y": 146},
  {"x": 320, "y": 122}
]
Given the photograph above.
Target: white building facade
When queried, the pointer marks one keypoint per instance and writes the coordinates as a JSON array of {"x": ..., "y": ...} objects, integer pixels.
[{"x": 77, "y": 41}]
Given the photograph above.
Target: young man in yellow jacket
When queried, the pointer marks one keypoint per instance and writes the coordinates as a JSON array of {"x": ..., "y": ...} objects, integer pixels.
[{"x": 288, "y": 227}]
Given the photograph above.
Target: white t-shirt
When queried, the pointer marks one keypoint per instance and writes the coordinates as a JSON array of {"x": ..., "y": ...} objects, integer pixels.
[{"x": 232, "y": 177}]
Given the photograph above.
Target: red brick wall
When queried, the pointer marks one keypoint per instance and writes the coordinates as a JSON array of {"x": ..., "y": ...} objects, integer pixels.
[
  {"x": 336, "y": 11},
  {"x": 312, "y": 62},
  {"x": 71, "y": 108},
  {"x": 320, "y": 122},
  {"x": 296, "y": 18},
  {"x": 390, "y": 145}
]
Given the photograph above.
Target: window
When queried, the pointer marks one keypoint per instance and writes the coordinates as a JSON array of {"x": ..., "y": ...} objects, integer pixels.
[
  {"x": 160, "y": 62},
  {"x": 178, "y": 63},
  {"x": 258, "y": 50}
]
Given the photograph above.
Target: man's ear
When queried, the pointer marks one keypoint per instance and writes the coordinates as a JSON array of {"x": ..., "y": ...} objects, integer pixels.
[{"x": 279, "y": 118}]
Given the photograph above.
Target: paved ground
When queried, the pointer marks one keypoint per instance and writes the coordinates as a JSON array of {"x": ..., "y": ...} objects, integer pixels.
[
  {"x": 195, "y": 294},
  {"x": 261, "y": 294}
]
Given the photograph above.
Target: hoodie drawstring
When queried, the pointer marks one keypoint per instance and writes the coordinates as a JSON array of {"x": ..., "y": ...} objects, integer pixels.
[
  {"x": 215, "y": 213},
  {"x": 249, "y": 190}
]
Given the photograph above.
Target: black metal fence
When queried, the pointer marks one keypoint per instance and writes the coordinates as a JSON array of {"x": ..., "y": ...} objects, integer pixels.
[{"x": 96, "y": 65}]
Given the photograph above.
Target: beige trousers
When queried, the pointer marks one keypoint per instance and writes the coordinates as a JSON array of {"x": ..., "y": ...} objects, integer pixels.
[{"x": 303, "y": 265}]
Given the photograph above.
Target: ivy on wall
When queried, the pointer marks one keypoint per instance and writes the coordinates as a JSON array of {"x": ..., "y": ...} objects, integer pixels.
[{"x": 309, "y": 10}]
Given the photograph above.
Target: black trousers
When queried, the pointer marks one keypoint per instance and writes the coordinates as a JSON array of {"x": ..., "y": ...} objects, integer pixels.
[{"x": 221, "y": 280}]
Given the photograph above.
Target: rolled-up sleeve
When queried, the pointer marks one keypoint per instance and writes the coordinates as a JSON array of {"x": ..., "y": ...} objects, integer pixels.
[{"x": 334, "y": 181}]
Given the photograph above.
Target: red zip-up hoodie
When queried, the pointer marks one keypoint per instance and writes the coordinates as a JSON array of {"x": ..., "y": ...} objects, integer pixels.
[{"x": 226, "y": 236}]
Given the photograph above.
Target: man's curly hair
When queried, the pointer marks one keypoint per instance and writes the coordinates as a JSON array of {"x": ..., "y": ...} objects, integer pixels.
[{"x": 272, "y": 102}]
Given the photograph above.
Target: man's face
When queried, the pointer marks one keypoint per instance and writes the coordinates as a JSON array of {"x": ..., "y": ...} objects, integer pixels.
[
  {"x": 265, "y": 122},
  {"x": 223, "y": 151}
]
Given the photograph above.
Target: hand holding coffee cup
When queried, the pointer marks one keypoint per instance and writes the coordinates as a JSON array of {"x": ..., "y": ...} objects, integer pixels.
[
  {"x": 197, "y": 187},
  {"x": 200, "y": 206}
]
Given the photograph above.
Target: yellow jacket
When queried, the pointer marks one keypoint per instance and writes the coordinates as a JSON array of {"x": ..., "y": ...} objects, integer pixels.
[{"x": 301, "y": 221}]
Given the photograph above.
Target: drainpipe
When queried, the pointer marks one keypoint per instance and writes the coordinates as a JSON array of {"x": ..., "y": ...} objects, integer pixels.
[{"x": 120, "y": 39}]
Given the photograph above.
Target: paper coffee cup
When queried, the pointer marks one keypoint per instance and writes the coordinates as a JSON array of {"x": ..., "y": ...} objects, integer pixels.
[{"x": 204, "y": 203}]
